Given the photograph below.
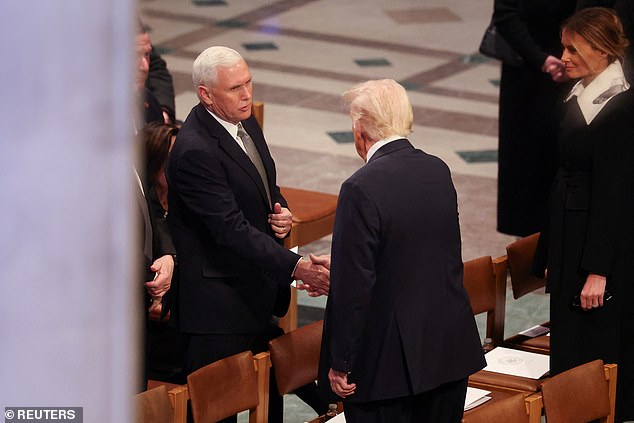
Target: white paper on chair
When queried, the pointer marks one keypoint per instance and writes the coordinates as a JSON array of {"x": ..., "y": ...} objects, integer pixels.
[
  {"x": 339, "y": 418},
  {"x": 475, "y": 397},
  {"x": 517, "y": 363},
  {"x": 535, "y": 331}
]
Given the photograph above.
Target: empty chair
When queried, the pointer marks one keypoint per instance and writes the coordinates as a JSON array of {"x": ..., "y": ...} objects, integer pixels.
[
  {"x": 582, "y": 394},
  {"x": 154, "y": 406},
  {"x": 295, "y": 357},
  {"x": 520, "y": 261},
  {"x": 485, "y": 283},
  {"x": 516, "y": 409},
  {"x": 227, "y": 387}
]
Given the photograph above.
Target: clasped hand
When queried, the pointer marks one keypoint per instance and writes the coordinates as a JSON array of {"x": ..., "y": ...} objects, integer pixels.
[
  {"x": 314, "y": 274},
  {"x": 592, "y": 292},
  {"x": 281, "y": 220}
]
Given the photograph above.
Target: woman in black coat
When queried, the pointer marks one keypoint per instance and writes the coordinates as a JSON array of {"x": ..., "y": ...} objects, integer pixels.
[
  {"x": 530, "y": 110},
  {"x": 590, "y": 236}
]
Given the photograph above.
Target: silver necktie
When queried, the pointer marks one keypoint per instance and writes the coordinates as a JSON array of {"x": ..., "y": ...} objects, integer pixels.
[{"x": 253, "y": 154}]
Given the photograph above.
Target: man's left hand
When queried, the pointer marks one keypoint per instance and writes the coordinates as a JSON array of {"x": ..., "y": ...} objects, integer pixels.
[
  {"x": 339, "y": 383},
  {"x": 281, "y": 220},
  {"x": 164, "y": 268}
]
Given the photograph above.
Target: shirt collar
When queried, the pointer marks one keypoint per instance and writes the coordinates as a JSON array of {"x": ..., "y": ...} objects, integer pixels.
[
  {"x": 602, "y": 89},
  {"x": 232, "y": 128},
  {"x": 380, "y": 144}
]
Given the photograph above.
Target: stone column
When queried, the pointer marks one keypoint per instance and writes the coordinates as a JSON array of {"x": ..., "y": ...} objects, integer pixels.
[{"x": 69, "y": 333}]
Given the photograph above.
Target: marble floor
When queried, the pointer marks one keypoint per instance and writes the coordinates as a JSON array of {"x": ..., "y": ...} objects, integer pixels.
[{"x": 304, "y": 53}]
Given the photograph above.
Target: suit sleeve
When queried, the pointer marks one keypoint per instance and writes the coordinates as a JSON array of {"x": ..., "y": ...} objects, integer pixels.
[
  {"x": 202, "y": 185},
  {"x": 509, "y": 20},
  {"x": 159, "y": 82},
  {"x": 355, "y": 245}
]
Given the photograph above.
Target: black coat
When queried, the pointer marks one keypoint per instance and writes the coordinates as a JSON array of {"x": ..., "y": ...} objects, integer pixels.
[
  {"x": 398, "y": 317},
  {"x": 231, "y": 265},
  {"x": 530, "y": 112},
  {"x": 591, "y": 229}
]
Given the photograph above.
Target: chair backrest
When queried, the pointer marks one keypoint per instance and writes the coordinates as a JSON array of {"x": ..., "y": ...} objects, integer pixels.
[
  {"x": 223, "y": 388},
  {"x": 485, "y": 282},
  {"x": 154, "y": 406},
  {"x": 257, "y": 109},
  {"x": 520, "y": 258},
  {"x": 295, "y": 357},
  {"x": 581, "y": 394},
  {"x": 512, "y": 409}
]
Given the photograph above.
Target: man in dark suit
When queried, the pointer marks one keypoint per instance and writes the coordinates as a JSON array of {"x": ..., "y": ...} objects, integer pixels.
[
  {"x": 228, "y": 219},
  {"x": 399, "y": 336}
]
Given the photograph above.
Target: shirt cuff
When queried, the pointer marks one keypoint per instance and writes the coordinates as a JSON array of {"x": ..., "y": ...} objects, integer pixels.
[{"x": 295, "y": 268}]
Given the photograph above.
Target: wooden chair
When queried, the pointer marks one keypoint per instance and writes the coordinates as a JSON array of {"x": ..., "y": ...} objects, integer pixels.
[
  {"x": 581, "y": 394},
  {"x": 520, "y": 260},
  {"x": 313, "y": 218},
  {"x": 295, "y": 357},
  {"x": 229, "y": 386},
  {"x": 518, "y": 408},
  {"x": 485, "y": 282},
  {"x": 178, "y": 396},
  {"x": 153, "y": 406}
]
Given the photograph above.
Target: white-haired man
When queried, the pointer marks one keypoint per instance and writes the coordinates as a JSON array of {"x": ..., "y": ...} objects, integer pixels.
[
  {"x": 399, "y": 337},
  {"x": 228, "y": 219}
]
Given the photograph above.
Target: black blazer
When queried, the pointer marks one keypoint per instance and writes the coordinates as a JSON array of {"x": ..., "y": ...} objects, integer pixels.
[
  {"x": 231, "y": 265},
  {"x": 398, "y": 317}
]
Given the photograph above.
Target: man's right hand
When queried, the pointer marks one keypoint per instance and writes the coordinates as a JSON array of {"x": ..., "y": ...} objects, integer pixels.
[{"x": 315, "y": 278}]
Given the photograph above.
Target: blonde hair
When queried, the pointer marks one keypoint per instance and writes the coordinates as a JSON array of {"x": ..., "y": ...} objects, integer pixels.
[
  {"x": 381, "y": 107},
  {"x": 601, "y": 28},
  {"x": 204, "y": 70}
]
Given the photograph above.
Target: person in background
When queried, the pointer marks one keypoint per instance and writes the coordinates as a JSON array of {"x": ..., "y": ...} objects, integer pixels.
[
  {"x": 228, "y": 219},
  {"x": 587, "y": 245},
  {"x": 160, "y": 83},
  {"x": 399, "y": 338},
  {"x": 165, "y": 345},
  {"x": 530, "y": 107},
  {"x": 158, "y": 139},
  {"x": 157, "y": 253}
]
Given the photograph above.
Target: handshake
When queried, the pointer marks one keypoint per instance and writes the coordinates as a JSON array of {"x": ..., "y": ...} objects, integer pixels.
[{"x": 314, "y": 275}]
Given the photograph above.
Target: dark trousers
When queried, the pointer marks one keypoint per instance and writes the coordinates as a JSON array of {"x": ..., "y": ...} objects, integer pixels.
[
  {"x": 444, "y": 404},
  {"x": 205, "y": 349}
]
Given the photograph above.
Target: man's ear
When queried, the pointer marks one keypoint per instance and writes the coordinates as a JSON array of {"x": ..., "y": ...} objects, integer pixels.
[{"x": 204, "y": 95}]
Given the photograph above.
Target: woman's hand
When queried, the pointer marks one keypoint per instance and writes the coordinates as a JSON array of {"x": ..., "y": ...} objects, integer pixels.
[{"x": 592, "y": 292}]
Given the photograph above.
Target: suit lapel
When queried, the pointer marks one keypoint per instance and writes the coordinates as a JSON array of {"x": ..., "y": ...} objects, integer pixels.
[{"x": 233, "y": 150}]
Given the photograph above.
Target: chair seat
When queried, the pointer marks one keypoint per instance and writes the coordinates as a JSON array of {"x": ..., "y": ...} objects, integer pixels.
[
  {"x": 505, "y": 383},
  {"x": 538, "y": 344}
]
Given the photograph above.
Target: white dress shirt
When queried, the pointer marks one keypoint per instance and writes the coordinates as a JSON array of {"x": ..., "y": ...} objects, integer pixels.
[
  {"x": 380, "y": 144},
  {"x": 231, "y": 128}
]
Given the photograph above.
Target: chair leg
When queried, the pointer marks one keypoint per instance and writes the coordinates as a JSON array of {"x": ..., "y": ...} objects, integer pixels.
[
  {"x": 610, "y": 371},
  {"x": 262, "y": 363}
]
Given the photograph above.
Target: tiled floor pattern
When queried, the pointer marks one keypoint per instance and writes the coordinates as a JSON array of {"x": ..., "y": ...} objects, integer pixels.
[{"x": 304, "y": 53}]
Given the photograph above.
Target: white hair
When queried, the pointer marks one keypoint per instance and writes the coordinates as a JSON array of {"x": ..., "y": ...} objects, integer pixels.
[
  {"x": 205, "y": 66},
  {"x": 381, "y": 107}
]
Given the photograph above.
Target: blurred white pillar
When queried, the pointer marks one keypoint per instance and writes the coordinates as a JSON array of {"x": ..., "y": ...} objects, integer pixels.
[{"x": 67, "y": 298}]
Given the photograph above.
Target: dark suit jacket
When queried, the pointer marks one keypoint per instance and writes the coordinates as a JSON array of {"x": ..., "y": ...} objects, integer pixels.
[
  {"x": 231, "y": 265},
  {"x": 398, "y": 317}
]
